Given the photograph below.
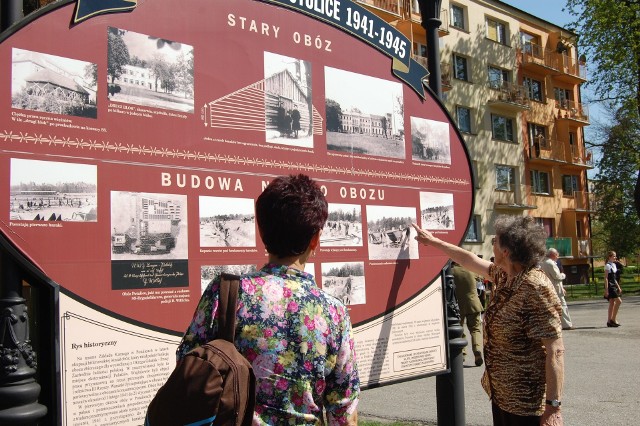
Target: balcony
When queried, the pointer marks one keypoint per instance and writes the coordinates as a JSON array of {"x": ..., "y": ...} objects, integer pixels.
[
  {"x": 445, "y": 71},
  {"x": 584, "y": 201},
  {"x": 508, "y": 96},
  {"x": 572, "y": 70},
  {"x": 580, "y": 159},
  {"x": 394, "y": 11},
  {"x": 513, "y": 197},
  {"x": 545, "y": 149},
  {"x": 537, "y": 58},
  {"x": 572, "y": 111}
]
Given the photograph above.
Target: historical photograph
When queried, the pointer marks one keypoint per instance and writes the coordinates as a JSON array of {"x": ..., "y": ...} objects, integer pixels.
[
  {"x": 149, "y": 71},
  {"x": 344, "y": 281},
  {"x": 343, "y": 226},
  {"x": 287, "y": 100},
  {"x": 209, "y": 272},
  {"x": 364, "y": 115},
  {"x": 48, "y": 83},
  {"x": 391, "y": 235},
  {"x": 227, "y": 222},
  {"x": 430, "y": 141},
  {"x": 51, "y": 190},
  {"x": 436, "y": 211},
  {"x": 148, "y": 225}
]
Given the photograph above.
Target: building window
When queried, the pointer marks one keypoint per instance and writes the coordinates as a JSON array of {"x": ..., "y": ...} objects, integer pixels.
[
  {"x": 547, "y": 224},
  {"x": 457, "y": 17},
  {"x": 533, "y": 88},
  {"x": 460, "y": 68},
  {"x": 539, "y": 182},
  {"x": 537, "y": 135},
  {"x": 530, "y": 44},
  {"x": 563, "y": 96},
  {"x": 569, "y": 184},
  {"x": 464, "y": 119},
  {"x": 505, "y": 178},
  {"x": 502, "y": 128},
  {"x": 473, "y": 232},
  {"x": 496, "y": 31},
  {"x": 498, "y": 76}
]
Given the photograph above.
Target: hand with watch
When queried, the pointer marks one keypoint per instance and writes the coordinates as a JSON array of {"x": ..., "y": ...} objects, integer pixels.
[{"x": 552, "y": 415}]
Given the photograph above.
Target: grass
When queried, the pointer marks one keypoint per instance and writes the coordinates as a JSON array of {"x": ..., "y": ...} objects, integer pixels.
[{"x": 594, "y": 290}]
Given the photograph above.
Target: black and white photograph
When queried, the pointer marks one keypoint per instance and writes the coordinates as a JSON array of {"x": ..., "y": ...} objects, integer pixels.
[
  {"x": 227, "y": 222},
  {"x": 430, "y": 141},
  {"x": 345, "y": 281},
  {"x": 343, "y": 226},
  {"x": 391, "y": 235},
  {"x": 209, "y": 272},
  {"x": 53, "y": 84},
  {"x": 149, "y": 71},
  {"x": 148, "y": 226},
  {"x": 53, "y": 191},
  {"x": 364, "y": 115},
  {"x": 287, "y": 100},
  {"x": 436, "y": 211}
]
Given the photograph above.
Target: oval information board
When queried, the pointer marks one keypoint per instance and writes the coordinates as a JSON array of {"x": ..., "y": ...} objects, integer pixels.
[{"x": 133, "y": 146}]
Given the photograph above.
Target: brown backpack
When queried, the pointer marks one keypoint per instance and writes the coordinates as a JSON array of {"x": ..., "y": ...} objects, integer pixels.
[{"x": 213, "y": 384}]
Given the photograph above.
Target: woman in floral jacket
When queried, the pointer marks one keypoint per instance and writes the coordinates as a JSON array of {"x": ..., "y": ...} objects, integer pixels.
[{"x": 297, "y": 337}]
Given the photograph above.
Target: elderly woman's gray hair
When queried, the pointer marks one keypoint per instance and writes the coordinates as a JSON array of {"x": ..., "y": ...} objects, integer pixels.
[{"x": 525, "y": 239}]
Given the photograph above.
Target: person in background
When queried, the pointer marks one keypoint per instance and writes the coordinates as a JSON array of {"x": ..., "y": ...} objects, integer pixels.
[
  {"x": 297, "y": 337},
  {"x": 523, "y": 346},
  {"x": 550, "y": 267},
  {"x": 470, "y": 308},
  {"x": 612, "y": 289}
]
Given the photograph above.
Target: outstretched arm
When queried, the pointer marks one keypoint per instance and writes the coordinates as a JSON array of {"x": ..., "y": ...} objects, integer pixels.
[{"x": 468, "y": 260}]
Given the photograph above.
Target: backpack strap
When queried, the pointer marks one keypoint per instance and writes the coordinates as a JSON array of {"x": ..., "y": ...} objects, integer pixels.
[{"x": 227, "y": 305}]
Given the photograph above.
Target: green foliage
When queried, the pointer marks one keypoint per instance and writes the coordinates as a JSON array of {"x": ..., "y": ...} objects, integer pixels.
[
  {"x": 609, "y": 32},
  {"x": 618, "y": 225}
]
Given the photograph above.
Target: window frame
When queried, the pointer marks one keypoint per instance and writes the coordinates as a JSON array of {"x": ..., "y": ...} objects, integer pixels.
[
  {"x": 467, "y": 76},
  {"x": 509, "y": 127},
  {"x": 574, "y": 183},
  {"x": 501, "y": 37},
  {"x": 475, "y": 224},
  {"x": 468, "y": 110},
  {"x": 537, "y": 182},
  {"x": 511, "y": 178},
  {"x": 505, "y": 76},
  {"x": 463, "y": 16},
  {"x": 528, "y": 83}
]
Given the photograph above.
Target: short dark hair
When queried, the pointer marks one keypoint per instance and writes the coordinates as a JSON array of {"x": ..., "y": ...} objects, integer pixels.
[
  {"x": 290, "y": 210},
  {"x": 525, "y": 239}
]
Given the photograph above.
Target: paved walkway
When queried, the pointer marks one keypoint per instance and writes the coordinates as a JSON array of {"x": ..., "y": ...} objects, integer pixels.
[{"x": 602, "y": 377}]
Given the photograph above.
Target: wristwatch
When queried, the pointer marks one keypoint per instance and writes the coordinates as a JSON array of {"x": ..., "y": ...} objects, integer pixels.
[{"x": 553, "y": 402}]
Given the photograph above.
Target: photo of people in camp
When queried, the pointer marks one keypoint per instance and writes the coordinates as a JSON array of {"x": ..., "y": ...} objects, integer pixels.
[
  {"x": 287, "y": 100},
  {"x": 343, "y": 227},
  {"x": 436, "y": 211},
  {"x": 390, "y": 232},
  {"x": 53, "y": 191},
  {"x": 430, "y": 141}
]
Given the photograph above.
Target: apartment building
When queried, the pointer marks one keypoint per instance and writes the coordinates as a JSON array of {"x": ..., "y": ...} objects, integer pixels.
[{"x": 511, "y": 82}]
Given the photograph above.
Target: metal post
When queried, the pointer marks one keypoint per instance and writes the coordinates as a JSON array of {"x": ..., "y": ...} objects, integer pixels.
[
  {"x": 430, "y": 12},
  {"x": 19, "y": 390},
  {"x": 10, "y": 13},
  {"x": 450, "y": 387}
]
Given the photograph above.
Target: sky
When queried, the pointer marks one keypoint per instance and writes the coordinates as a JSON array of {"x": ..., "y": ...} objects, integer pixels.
[{"x": 549, "y": 10}]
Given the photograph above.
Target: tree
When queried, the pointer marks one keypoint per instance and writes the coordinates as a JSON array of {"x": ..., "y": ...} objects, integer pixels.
[
  {"x": 117, "y": 54},
  {"x": 91, "y": 74},
  {"x": 334, "y": 111},
  {"x": 609, "y": 31},
  {"x": 618, "y": 225},
  {"x": 159, "y": 68}
]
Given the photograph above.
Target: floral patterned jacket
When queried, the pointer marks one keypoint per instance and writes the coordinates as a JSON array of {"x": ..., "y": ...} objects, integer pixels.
[{"x": 299, "y": 341}]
